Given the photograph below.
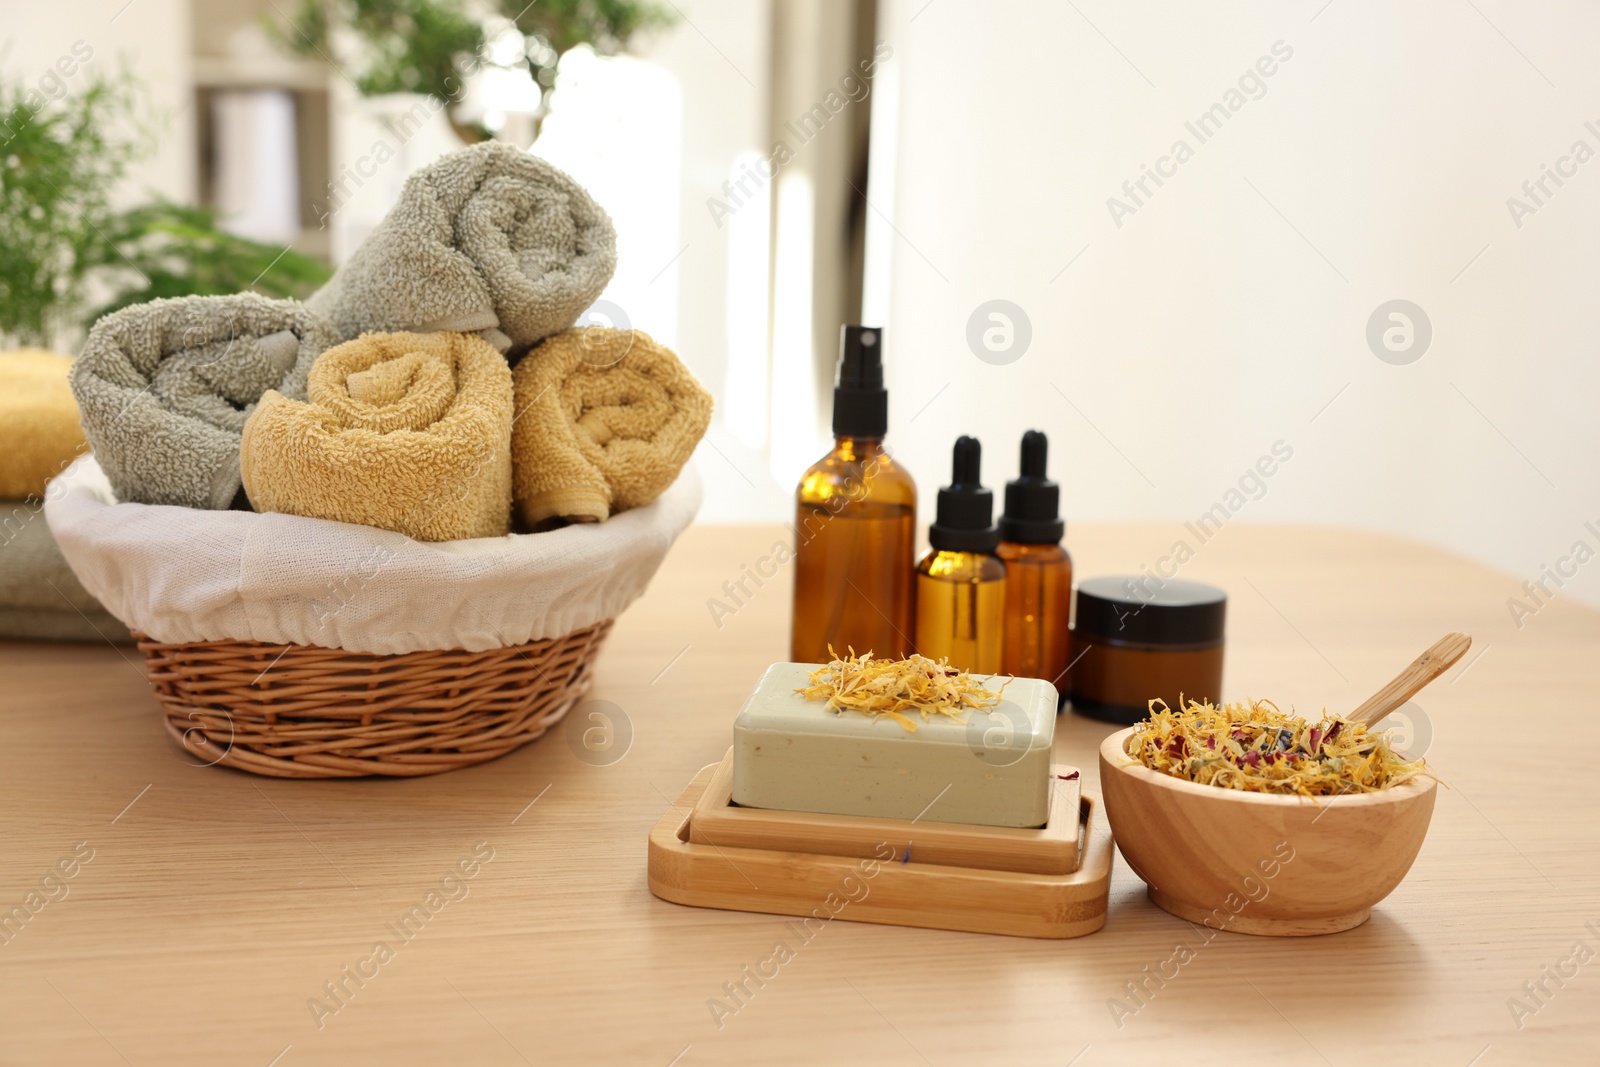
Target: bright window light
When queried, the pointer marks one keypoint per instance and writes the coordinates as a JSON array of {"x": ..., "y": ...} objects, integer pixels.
[
  {"x": 749, "y": 246},
  {"x": 794, "y": 391},
  {"x": 616, "y": 126}
]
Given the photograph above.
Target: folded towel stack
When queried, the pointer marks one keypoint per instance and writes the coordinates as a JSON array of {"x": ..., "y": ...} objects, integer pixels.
[
  {"x": 407, "y": 432},
  {"x": 605, "y": 421},
  {"x": 40, "y": 597},
  {"x": 487, "y": 239},
  {"x": 39, "y": 431},
  {"x": 165, "y": 389}
]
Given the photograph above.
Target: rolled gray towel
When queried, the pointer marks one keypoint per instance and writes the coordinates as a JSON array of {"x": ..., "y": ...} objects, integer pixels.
[
  {"x": 164, "y": 389},
  {"x": 40, "y": 597},
  {"x": 487, "y": 239}
]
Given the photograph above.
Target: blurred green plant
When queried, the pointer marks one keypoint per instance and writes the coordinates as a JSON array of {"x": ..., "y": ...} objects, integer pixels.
[
  {"x": 167, "y": 249},
  {"x": 63, "y": 243},
  {"x": 432, "y": 46},
  {"x": 407, "y": 46},
  {"x": 58, "y": 163}
]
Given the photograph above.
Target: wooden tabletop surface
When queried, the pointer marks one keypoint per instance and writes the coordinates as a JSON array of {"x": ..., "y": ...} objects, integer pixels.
[{"x": 206, "y": 909}]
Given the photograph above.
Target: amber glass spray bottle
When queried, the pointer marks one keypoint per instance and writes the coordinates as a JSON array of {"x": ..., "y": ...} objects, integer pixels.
[
  {"x": 855, "y": 524},
  {"x": 961, "y": 585},
  {"x": 1038, "y": 571}
]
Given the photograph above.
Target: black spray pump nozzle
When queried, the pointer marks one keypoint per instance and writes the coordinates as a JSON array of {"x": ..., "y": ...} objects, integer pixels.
[
  {"x": 860, "y": 402},
  {"x": 1033, "y": 502},
  {"x": 965, "y": 521}
]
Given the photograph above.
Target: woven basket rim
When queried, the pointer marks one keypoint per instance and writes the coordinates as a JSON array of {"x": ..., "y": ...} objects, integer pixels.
[{"x": 306, "y": 711}]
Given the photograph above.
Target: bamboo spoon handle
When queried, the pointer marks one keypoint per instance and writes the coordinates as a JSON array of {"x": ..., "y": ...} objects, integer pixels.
[{"x": 1405, "y": 685}]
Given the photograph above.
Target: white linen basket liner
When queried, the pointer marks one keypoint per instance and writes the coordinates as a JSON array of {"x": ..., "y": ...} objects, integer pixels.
[{"x": 183, "y": 575}]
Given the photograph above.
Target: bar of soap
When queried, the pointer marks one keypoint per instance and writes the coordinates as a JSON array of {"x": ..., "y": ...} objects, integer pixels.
[{"x": 794, "y": 754}]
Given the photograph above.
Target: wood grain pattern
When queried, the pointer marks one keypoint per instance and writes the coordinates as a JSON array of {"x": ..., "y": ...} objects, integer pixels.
[
  {"x": 881, "y": 889},
  {"x": 1052, "y": 849},
  {"x": 218, "y": 903}
]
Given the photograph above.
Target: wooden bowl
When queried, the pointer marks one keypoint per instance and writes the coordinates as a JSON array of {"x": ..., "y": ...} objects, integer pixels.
[{"x": 1256, "y": 863}]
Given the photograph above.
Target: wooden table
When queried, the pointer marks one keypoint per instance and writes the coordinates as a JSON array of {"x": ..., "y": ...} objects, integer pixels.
[{"x": 216, "y": 905}]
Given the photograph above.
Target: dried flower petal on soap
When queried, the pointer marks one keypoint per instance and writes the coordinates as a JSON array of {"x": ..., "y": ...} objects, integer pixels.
[{"x": 893, "y": 687}]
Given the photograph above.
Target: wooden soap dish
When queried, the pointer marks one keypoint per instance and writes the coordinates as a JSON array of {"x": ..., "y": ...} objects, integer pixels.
[
  {"x": 834, "y": 866},
  {"x": 1052, "y": 849}
]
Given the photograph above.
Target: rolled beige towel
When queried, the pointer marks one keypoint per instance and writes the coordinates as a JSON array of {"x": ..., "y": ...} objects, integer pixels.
[
  {"x": 39, "y": 431},
  {"x": 605, "y": 421},
  {"x": 406, "y": 432}
]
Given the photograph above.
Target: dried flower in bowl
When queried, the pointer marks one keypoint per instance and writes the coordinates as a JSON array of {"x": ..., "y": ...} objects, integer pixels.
[{"x": 1257, "y": 748}]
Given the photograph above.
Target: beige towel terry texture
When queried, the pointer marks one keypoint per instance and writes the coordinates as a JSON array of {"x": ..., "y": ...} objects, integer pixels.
[
  {"x": 605, "y": 421},
  {"x": 39, "y": 431},
  {"x": 405, "y": 432}
]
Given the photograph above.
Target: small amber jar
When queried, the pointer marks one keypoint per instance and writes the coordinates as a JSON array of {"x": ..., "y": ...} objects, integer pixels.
[{"x": 1138, "y": 638}]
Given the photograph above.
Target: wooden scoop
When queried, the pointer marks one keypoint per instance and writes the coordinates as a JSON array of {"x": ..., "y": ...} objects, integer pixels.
[{"x": 1405, "y": 685}]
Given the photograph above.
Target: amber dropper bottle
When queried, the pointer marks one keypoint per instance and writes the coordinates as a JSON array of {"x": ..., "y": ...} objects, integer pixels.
[
  {"x": 855, "y": 524},
  {"x": 1038, "y": 571},
  {"x": 961, "y": 584}
]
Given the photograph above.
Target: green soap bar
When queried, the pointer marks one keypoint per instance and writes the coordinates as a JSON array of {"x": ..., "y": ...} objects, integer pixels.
[{"x": 993, "y": 769}]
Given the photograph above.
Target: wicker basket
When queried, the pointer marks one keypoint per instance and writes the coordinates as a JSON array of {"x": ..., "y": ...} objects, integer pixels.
[{"x": 299, "y": 711}]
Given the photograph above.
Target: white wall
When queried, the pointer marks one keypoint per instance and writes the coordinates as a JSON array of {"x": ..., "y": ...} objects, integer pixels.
[
  {"x": 1229, "y": 311},
  {"x": 150, "y": 38}
]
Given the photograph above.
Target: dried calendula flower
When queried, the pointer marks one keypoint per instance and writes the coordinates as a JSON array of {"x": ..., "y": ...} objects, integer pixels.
[
  {"x": 894, "y": 687},
  {"x": 1257, "y": 748}
]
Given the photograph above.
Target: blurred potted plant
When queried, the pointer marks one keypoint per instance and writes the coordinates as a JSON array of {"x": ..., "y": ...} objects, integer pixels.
[
  {"x": 67, "y": 249},
  {"x": 434, "y": 46}
]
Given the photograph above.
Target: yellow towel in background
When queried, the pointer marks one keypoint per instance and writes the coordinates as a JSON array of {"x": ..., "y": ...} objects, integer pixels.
[
  {"x": 39, "y": 430},
  {"x": 403, "y": 431},
  {"x": 605, "y": 421}
]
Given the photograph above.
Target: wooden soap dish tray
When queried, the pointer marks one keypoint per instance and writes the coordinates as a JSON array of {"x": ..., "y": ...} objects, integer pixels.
[
  {"x": 1052, "y": 849},
  {"x": 832, "y": 866}
]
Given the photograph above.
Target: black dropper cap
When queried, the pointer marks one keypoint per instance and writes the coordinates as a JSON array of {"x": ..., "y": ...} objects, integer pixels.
[
  {"x": 1033, "y": 502},
  {"x": 860, "y": 402},
  {"x": 965, "y": 521}
]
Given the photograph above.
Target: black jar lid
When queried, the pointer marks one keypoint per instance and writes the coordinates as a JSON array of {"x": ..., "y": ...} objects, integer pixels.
[{"x": 1150, "y": 610}]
